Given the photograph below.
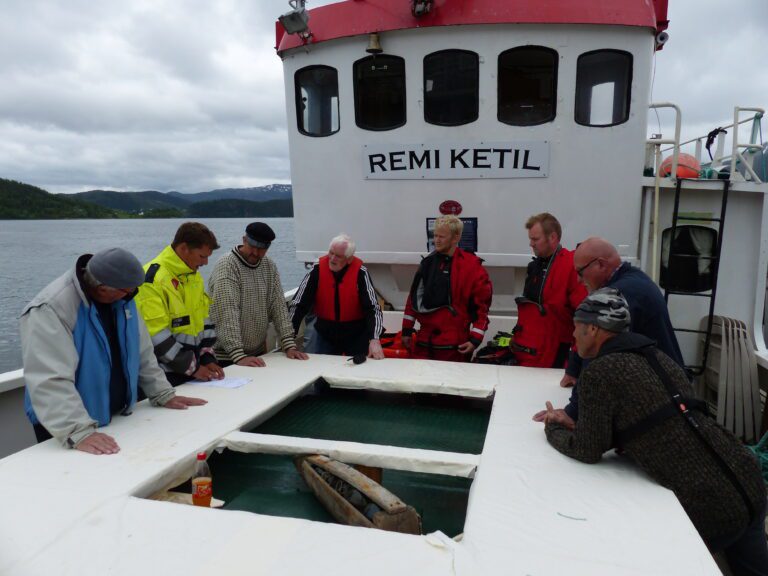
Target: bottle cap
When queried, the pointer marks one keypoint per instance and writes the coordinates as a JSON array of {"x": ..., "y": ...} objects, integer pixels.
[{"x": 201, "y": 455}]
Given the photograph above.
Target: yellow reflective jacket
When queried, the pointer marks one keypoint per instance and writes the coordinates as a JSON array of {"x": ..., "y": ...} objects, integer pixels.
[{"x": 174, "y": 305}]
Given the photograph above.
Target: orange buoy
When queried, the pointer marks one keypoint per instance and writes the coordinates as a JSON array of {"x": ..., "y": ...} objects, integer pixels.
[{"x": 687, "y": 166}]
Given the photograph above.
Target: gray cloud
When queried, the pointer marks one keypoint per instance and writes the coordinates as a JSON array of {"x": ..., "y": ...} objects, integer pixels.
[
  {"x": 712, "y": 63},
  {"x": 172, "y": 95}
]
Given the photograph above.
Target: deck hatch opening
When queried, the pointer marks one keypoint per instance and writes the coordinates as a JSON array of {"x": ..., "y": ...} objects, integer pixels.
[
  {"x": 269, "y": 484},
  {"x": 426, "y": 421}
]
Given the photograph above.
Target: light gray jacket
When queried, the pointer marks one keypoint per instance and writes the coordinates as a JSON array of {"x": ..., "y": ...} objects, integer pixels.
[{"x": 50, "y": 361}]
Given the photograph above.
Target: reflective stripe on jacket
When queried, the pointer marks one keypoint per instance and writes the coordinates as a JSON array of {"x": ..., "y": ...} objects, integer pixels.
[
  {"x": 175, "y": 307},
  {"x": 349, "y": 307}
]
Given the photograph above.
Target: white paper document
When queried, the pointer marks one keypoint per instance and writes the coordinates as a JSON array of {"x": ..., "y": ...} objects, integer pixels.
[{"x": 223, "y": 383}]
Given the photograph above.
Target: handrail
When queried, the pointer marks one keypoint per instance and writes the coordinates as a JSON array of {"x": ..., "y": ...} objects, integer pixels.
[
  {"x": 736, "y": 147},
  {"x": 673, "y": 174},
  {"x": 699, "y": 138}
]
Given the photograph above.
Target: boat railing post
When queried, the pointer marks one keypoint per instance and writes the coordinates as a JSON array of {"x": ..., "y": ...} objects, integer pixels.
[
  {"x": 672, "y": 175},
  {"x": 736, "y": 146}
]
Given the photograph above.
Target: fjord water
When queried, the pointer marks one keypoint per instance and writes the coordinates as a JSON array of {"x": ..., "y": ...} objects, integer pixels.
[{"x": 37, "y": 251}]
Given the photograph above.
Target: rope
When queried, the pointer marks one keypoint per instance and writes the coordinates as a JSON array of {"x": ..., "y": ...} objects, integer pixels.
[{"x": 711, "y": 139}]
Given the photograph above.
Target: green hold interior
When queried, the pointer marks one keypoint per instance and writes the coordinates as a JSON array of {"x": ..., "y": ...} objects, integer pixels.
[{"x": 270, "y": 484}]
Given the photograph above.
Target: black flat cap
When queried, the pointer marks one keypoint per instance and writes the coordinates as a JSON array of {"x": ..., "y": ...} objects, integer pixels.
[{"x": 259, "y": 234}]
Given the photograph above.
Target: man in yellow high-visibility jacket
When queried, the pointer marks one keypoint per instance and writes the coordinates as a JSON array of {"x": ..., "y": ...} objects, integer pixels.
[{"x": 174, "y": 305}]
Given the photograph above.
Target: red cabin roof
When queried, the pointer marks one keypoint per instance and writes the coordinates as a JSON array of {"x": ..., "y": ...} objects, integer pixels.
[{"x": 356, "y": 17}]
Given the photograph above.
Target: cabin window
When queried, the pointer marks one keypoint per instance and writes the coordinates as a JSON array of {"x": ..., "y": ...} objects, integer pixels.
[
  {"x": 527, "y": 86},
  {"x": 603, "y": 83},
  {"x": 451, "y": 87},
  {"x": 317, "y": 100},
  {"x": 380, "y": 92}
]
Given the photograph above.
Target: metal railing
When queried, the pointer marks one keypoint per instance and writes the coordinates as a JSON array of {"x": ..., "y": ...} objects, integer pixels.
[
  {"x": 719, "y": 158},
  {"x": 657, "y": 143}
]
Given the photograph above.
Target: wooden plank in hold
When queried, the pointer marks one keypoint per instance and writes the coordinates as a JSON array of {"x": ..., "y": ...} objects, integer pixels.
[
  {"x": 331, "y": 500},
  {"x": 375, "y": 492},
  {"x": 393, "y": 515}
]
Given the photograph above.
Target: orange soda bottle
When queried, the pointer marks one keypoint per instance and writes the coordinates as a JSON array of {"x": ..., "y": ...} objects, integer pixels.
[{"x": 202, "y": 484}]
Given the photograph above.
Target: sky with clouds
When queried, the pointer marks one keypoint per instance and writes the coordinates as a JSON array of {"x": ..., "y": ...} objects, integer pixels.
[{"x": 188, "y": 95}]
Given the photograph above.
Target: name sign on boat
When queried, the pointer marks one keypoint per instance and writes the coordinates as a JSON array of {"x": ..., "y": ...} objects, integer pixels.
[{"x": 449, "y": 161}]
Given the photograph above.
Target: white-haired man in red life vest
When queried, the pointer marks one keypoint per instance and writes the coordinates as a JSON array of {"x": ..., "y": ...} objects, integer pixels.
[{"x": 339, "y": 289}]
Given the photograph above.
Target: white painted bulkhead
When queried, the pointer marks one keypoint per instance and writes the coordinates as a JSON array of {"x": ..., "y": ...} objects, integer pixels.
[
  {"x": 741, "y": 287},
  {"x": 594, "y": 177}
]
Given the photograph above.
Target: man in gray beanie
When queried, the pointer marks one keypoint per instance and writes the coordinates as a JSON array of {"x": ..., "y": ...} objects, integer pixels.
[
  {"x": 86, "y": 351},
  {"x": 638, "y": 400}
]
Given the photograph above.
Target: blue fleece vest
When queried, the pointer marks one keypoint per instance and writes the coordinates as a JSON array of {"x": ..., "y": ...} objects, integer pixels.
[{"x": 95, "y": 360}]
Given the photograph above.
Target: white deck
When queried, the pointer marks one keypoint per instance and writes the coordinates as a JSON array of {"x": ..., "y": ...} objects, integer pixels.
[{"x": 531, "y": 510}]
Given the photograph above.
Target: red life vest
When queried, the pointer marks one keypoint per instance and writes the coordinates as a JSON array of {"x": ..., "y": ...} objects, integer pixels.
[
  {"x": 540, "y": 331},
  {"x": 349, "y": 298}
]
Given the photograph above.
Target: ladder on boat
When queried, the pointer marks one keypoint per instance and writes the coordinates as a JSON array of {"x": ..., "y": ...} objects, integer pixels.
[{"x": 714, "y": 258}]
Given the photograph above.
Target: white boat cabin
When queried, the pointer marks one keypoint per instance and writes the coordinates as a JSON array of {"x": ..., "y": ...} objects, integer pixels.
[{"x": 497, "y": 111}]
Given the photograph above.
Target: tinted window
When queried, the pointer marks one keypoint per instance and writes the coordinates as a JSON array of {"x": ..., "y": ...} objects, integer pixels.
[
  {"x": 317, "y": 100},
  {"x": 380, "y": 92},
  {"x": 451, "y": 87},
  {"x": 603, "y": 83},
  {"x": 527, "y": 85}
]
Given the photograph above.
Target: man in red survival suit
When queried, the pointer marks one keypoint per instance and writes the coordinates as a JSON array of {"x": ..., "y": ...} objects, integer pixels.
[
  {"x": 544, "y": 332},
  {"x": 450, "y": 297}
]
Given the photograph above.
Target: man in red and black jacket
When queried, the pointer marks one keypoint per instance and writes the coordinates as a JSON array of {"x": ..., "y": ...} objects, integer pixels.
[
  {"x": 450, "y": 297},
  {"x": 552, "y": 292},
  {"x": 339, "y": 288}
]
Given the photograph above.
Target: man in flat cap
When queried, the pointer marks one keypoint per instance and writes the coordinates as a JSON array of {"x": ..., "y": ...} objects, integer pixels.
[
  {"x": 635, "y": 398},
  {"x": 86, "y": 352},
  {"x": 175, "y": 307},
  {"x": 247, "y": 295}
]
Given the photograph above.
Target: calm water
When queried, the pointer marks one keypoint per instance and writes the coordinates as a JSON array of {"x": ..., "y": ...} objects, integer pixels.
[{"x": 36, "y": 252}]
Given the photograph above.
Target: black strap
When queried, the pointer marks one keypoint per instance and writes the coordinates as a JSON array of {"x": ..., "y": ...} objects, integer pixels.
[
  {"x": 149, "y": 277},
  {"x": 520, "y": 348},
  {"x": 678, "y": 400},
  {"x": 622, "y": 437},
  {"x": 437, "y": 346}
]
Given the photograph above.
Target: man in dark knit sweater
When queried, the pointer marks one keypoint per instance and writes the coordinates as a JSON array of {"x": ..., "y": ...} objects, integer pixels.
[
  {"x": 626, "y": 402},
  {"x": 599, "y": 265}
]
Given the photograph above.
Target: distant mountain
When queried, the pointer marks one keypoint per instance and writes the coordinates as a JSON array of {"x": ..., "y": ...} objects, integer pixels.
[
  {"x": 141, "y": 203},
  {"x": 23, "y": 201},
  {"x": 241, "y": 209},
  {"x": 19, "y": 201},
  {"x": 259, "y": 194},
  {"x": 133, "y": 202}
]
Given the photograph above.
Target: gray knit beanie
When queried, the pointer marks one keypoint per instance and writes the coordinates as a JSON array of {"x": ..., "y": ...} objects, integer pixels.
[
  {"x": 605, "y": 308},
  {"x": 116, "y": 268}
]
